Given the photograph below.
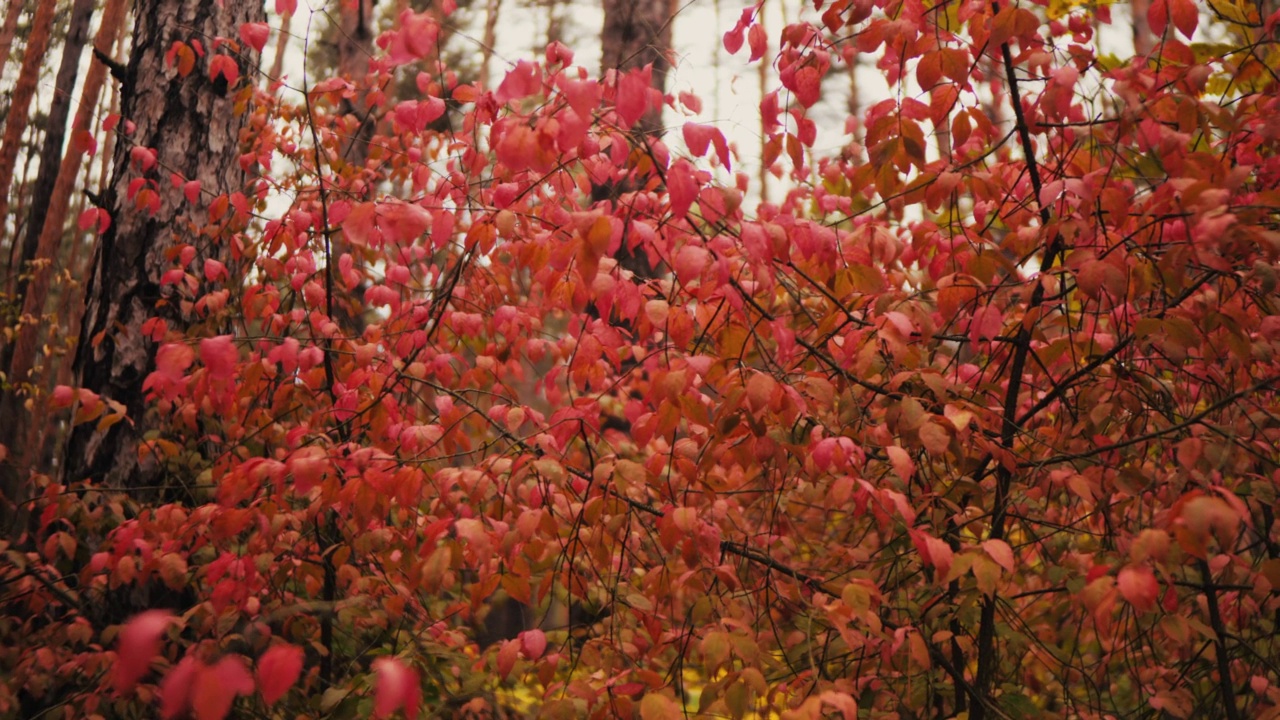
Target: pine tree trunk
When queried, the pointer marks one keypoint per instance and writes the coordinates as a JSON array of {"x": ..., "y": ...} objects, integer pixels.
[
  {"x": 194, "y": 126},
  {"x": 355, "y": 47},
  {"x": 55, "y": 133},
  {"x": 20, "y": 101},
  {"x": 8, "y": 30},
  {"x": 15, "y": 462},
  {"x": 490, "y": 39},
  {"x": 637, "y": 33}
]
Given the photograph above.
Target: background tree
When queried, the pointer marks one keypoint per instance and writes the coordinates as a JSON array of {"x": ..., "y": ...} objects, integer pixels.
[{"x": 174, "y": 177}]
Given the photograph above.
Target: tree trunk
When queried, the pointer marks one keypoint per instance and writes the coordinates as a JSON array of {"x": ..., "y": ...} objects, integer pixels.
[
  {"x": 55, "y": 134},
  {"x": 282, "y": 44},
  {"x": 490, "y": 39},
  {"x": 637, "y": 33},
  {"x": 355, "y": 47},
  {"x": 194, "y": 127},
  {"x": 20, "y": 101},
  {"x": 8, "y": 30},
  {"x": 1143, "y": 39},
  {"x": 14, "y": 463}
]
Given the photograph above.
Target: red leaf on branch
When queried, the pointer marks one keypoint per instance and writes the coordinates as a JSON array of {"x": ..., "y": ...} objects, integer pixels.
[
  {"x": 682, "y": 187},
  {"x": 533, "y": 643},
  {"x": 255, "y": 35},
  {"x": 396, "y": 688},
  {"x": 1138, "y": 586},
  {"x": 177, "y": 688},
  {"x": 216, "y": 687},
  {"x": 278, "y": 669},
  {"x": 633, "y": 95},
  {"x": 139, "y": 642},
  {"x": 519, "y": 83},
  {"x": 220, "y": 356},
  {"x": 224, "y": 66}
]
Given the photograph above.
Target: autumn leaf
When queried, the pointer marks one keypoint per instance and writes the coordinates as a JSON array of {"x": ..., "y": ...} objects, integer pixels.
[
  {"x": 533, "y": 643},
  {"x": 225, "y": 67},
  {"x": 633, "y": 95},
  {"x": 1137, "y": 583},
  {"x": 219, "y": 355},
  {"x": 255, "y": 35},
  {"x": 216, "y": 687},
  {"x": 278, "y": 670},
  {"x": 659, "y": 707},
  {"x": 139, "y": 642},
  {"x": 396, "y": 687},
  {"x": 519, "y": 83}
]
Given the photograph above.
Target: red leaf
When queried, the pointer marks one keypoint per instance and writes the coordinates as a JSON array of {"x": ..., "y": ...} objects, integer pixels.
[
  {"x": 1138, "y": 586},
  {"x": 690, "y": 262},
  {"x": 144, "y": 158},
  {"x": 935, "y": 552},
  {"x": 691, "y": 101},
  {"x": 533, "y": 643},
  {"x": 698, "y": 137},
  {"x": 733, "y": 40},
  {"x": 758, "y": 41},
  {"x": 682, "y": 187},
  {"x": 220, "y": 356},
  {"x": 216, "y": 688},
  {"x": 583, "y": 95},
  {"x": 286, "y": 7},
  {"x": 215, "y": 270},
  {"x": 95, "y": 218},
  {"x": 139, "y": 643},
  {"x": 1185, "y": 16},
  {"x": 173, "y": 359},
  {"x": 358, "y": 226},
  {"x": 175, "y": 690},
  {"x": 808, "y": 85},
  {"x": 987, "y": 323},
  {"x": 226, "y": 66},
  {"x": 396, "y": 688},
  {"x": 191, "y": 189},
  {"x": 403, "y": 222},
  {"x": 520, "y": 82},
  {"x": 508, "y": 654},
  {"x": 278, "y": 669},
  {"x": 633, "y": 95},
  {"x": 415, "y": 40},
  {"x": 1158, "y": 16},
  {"x": 255, "y": 35},
  {"x": 62, "y": 397}
]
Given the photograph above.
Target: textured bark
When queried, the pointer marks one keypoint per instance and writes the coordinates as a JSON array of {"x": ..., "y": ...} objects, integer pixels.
[
  {"x": 195, "y": 128},
  {"x": 637, "y": 33},
  {"x": 8, "y": 30},
  {"x": 20, "y": 100}
]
